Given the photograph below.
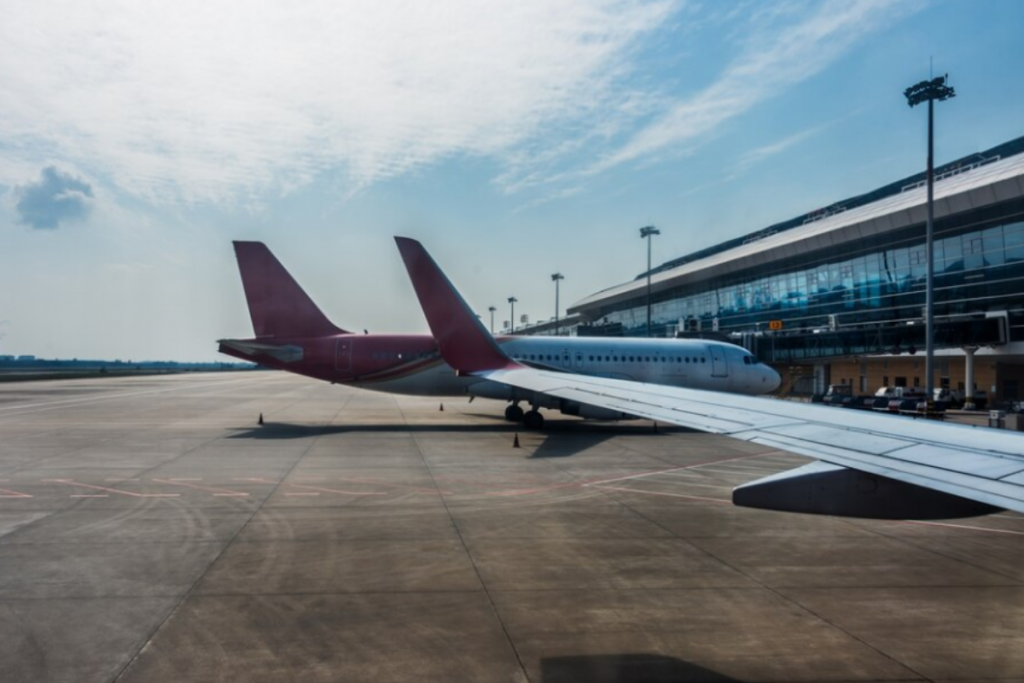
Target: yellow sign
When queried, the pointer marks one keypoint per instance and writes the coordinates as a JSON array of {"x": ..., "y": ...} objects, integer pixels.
[{"x": 774, "y": 324}]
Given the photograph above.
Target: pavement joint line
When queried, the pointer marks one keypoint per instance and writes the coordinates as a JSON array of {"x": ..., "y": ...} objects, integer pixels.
[
  {"x": 465, "y": 548},
  {"x": 185, "y": 596},
  {"x": 101, "y": 441},
  {"x": 764, "y": 586},
  {"x": 345, "y": 493}
]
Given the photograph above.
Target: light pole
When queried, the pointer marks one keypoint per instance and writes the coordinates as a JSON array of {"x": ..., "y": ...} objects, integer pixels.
[
  {"x": 512, "y": 318},
  {"x": 646, "y": 233},
  {"x": 491, "y": 310},
  {"x": 557, "y": 278},
  {"x": 929, "y": 91}
]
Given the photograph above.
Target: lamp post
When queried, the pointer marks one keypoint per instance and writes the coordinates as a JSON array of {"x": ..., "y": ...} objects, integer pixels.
[
  {"x": 512, "y": 318},
  {"x": 647, "y": 233},
  {"x": 557, "y": 278},
  {"x": 930, "y": 91},
  {"x": 491, "y": 310}
]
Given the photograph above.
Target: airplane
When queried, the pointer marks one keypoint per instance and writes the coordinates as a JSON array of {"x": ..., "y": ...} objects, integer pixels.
[
  {"x": 293, "y": 334},
  {"x": 868, "y": 465}
]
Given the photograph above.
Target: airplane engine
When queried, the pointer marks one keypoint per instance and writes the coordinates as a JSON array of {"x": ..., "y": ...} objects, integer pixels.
[
  {"x": 825, "y": 489},
  {"x": 591, "y": 412}
]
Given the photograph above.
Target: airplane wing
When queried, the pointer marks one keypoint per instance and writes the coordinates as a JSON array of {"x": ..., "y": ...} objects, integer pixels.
[{"x": 869, "y": 465}]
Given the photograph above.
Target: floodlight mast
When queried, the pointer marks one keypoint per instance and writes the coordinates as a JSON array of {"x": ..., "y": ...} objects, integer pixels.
[
  {"x": 930, "y": 91},
  {"x": 512, "y": 316},
  {"x": 557, "y": 278},
  {"x": 492, "y": 309},
  {"x": 647, "y": 232}
]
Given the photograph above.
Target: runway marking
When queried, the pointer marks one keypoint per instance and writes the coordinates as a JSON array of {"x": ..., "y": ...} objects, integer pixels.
[
  {"x": 669, "y": 470},
  {"x": 302, "y": 494},
  {"x": 183, "y": 479},
  {"x": 7, "y": 493},
  {"x": 89, "y": 495},
  {"x": 316, "y": 488},
  {"x": 211, "y": 489},
  {"x": 420, "y": 489},
  {"x": 960, "y": 526},
  {"x": 119, "y": 479},
  {"x": 346, "y": 493},
  {"x": 660, "y": 493},
  {"x": 71, "y": 482}
]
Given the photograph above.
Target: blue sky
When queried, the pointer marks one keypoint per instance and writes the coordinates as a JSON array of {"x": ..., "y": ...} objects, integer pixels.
[{"x": 514, "y": 139}]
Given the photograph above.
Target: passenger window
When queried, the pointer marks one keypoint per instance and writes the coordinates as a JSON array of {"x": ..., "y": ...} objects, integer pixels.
[{"x": 703, "y": 359}]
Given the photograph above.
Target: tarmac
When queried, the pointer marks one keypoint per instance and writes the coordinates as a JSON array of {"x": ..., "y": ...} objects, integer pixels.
[{"x": 151, "y": 530}]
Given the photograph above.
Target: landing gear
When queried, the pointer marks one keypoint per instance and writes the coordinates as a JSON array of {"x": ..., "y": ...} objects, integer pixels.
[
  {"x": 533, "y": 420},
  {"x": 514, "y": 413}
]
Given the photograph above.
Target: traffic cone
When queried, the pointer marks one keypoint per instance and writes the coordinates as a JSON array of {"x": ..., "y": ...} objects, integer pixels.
[
  {"x": 515, "y": 442},
  {"x": 261, "y": 418}
]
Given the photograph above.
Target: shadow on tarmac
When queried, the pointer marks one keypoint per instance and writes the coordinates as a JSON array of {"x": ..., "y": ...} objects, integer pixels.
[
  {"x": 626, "y": 668},
  {"x": 556, "y": 434}
]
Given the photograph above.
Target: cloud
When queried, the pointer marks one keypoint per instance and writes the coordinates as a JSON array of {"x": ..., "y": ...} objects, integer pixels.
[
  {"x": 788, "y": 43},
  {"x": 210, "y": 100},
  {"x": 56, "y": 198}
]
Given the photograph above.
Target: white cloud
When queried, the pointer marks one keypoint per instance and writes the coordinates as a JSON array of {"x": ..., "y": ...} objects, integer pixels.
[
  {"x": 214, "y": 100},
  {"x": 789, "y": 43}
]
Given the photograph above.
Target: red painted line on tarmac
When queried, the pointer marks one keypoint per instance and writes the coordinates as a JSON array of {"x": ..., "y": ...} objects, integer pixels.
[
  {"x": 211, "y": 489},
  {"x": 6, "y": 493},
  {"x": 71, "y": 482},
  {"x": 960, "y": 526},
  {"x": 346, "y": 493},
  {"x": 358, "y": 480},
  {"x": 543, "y": 489},
  {"x": 659, "y": 493}
]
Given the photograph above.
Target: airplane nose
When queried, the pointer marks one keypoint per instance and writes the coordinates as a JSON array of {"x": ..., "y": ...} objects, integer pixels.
[{"x": 773, "y": 379}]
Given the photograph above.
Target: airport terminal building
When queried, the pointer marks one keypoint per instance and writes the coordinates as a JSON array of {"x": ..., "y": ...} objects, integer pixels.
[{"x": 838, "y": 294}]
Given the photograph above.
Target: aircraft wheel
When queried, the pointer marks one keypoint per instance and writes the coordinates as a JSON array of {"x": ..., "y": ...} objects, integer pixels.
[
  {"x": 533, "y": 420},
  {"x": 514, "y": 413}
]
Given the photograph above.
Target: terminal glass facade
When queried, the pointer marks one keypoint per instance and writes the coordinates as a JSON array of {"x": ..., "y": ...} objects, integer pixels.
[{"x": 979, "y": 267}]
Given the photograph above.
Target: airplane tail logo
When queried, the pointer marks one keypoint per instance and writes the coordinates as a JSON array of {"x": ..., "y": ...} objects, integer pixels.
[{"x": 277, "y": 304}]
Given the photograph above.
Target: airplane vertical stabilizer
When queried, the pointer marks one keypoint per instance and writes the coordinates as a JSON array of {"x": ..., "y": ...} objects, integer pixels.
[{"x": 277, "y": 304}]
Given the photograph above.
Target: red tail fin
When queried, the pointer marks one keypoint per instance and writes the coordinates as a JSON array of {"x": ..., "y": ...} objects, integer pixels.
[
  {"x": 462, "y": 339},
  {"x": 277, "y": 305}
]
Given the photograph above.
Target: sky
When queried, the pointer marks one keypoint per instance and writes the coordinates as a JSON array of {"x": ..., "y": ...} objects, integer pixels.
[{"x": 515, "y": 139}]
